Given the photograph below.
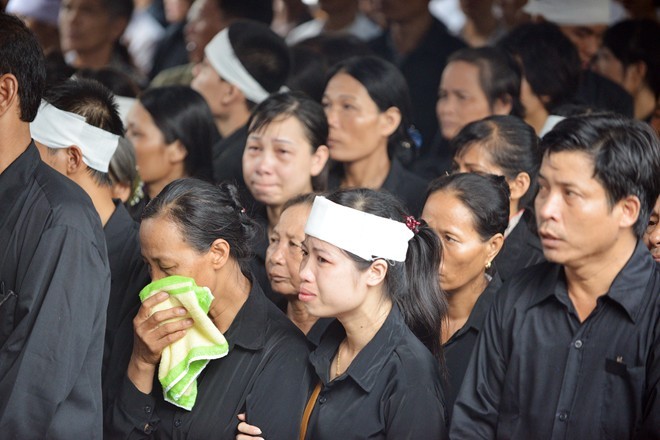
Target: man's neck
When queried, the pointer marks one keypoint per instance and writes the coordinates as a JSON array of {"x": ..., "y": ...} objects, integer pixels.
[
  {"x": 407, "y": 35},
  {"x": 14, "y": 141},
  {"x": 232, "y": 121},
  {"x": 95, "y": 59},
  {"x": 592, "y": 277},
  {"x": 341, "y": 20}
]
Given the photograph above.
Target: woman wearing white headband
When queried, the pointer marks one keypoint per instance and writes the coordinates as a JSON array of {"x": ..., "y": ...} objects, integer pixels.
[{"x": 378, "y": 276}]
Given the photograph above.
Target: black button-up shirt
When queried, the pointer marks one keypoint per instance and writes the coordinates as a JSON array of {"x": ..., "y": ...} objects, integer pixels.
[
  {"x": 391, "y": 390},
  {"x": 266, "y": 375},
  {"x": 458, "y": 349},
  {"x": 538, "y": 372}
]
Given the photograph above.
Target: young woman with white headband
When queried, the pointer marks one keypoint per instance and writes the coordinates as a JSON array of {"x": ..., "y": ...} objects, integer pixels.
[{"x": 375, "y": 270}]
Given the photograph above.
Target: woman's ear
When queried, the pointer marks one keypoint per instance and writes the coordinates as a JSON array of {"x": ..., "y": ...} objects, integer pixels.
[
  {"x": 319, "y": 159},
  {"x": 219, "y": 253},
  {"x": 503, "y": 106},
  {"x": 634, "y": 76},
  {"x": 493, "y": 247},
  {"x": 376, "y": 272},
  {"x": 176, "y": 152},
  {"x": 391, "y": 119},
  {"x": 519, "y": 185}
]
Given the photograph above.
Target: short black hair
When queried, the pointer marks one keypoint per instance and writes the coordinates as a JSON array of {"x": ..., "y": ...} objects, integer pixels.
[
  {"x": 262, "y": 52},
  {"x": 637, "y": 40},
  {"x": 257, "y": 10},
  {"x": 22, "y": 57},
  {"x": 549, "y": 61},
  {"x": 182, "y": 114},
  {"x": 512, "y": 144},
  {"x": 499, "y": 75},
  {"x": 92, "y": 100},
  {"x": 625, "y": 153},
  {"x": 308, "y": 112},
  {"x": 486, "y": 196}
]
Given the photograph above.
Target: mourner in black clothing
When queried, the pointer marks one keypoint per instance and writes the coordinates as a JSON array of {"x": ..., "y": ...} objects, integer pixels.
[
  {"x": 195, "y": 229},
  {"x": 470, "y": 213},
  {"x": 86, "y": 161},
  {"x": 419, "y": 45},
  {"x": 570, "y": 347},
  {"x": 242, "y": 65},
  {"x": 477, "y": 82},
  {"x": 368, "y": 108},
  {"x": 506, "y": 146},
  {"x": 378, "y": 277},
  {"x": 652, "y": 233},
  {"x": 54, "y": 275}
]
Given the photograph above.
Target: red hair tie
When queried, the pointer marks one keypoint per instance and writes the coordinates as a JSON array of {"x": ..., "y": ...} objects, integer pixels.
[{"x": 412, "y": 223}]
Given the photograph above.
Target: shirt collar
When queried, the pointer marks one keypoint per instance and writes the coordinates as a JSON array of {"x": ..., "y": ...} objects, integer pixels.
[
  {"x": 248, "y": 330},
  {"x": 368, "y": 363},
  {"x": 628, "y": 288}
]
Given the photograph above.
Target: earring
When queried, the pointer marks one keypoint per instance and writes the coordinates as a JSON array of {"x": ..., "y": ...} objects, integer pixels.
[{"x": 488, "y": 265}]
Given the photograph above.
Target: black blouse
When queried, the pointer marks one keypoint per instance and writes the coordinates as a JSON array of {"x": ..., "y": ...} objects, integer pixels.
[
  {"x": 266, "y": 375},
  {"x": 391, "y": 390},
  {"x": 458, "y": 349},
  {"x": 522, "y": 248}
]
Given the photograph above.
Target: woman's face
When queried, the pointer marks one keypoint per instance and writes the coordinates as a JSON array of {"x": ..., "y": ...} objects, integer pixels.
[
  {"x": 652, "y": 234},
  {"x": 86, "y": 26},
  {"x": 330, "y": 283},
  {"x": 278, "y": 162},
  {"x": 167, "y": 253},
  {"x": 357, "y": 126},
  {"x": 464, "y": 253},
  {"x": 156, "y": 160},
  {"x": 461, "y": 99},
  {"x": 284, "y": 253}
]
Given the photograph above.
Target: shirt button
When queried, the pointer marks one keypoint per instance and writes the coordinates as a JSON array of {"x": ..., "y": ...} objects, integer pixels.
[
  {"x": 323, "y": 399},
  {"x": 147, "y": 409},
  {"x": 563, "y": 416},
  {"x": 148, "y": 429},
  {"x": 577, "y": 344},
  {"x": 177, "y": 423}
]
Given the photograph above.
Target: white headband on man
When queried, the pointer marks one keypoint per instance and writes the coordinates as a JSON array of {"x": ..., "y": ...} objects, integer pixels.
[
  {"x": 571, "y": 12},
  {"x": 56, "y": 128},
  {"x": 222, "y": 57},
  {"x": 366, "y": 235}
]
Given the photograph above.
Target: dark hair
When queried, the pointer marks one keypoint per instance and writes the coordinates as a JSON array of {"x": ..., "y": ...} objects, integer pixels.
[
  {"x": 414, "y": 285},
  {"x": 21, "y": 56},
  {"x": 205, "y": 212},
  {"x": 308, "y": 112},
  {"x": 91, "y": 99},
  {"x": 182, "y": 114},
  {"x": 512, "y": 145},
  {"x": 632, "y": 41},
  {"x": 499, "y": 75},
  {"x": 549, "y": 61},
  {"x": 387, "y": 88},
  {"x": 123, "y": 166},
  {"x": 119, "y": 8},
  {"x": 625, "y": 153},
  {"x": 485, "y": 195},
  {"x": 119, "y": 82},
  {"x": 307, "y": 72},
  {"x": 258, "y": 10},
  {"x": 334, "y": 48},
  {"x": 300, "y": 199},
  {"x": 262, "y": 52}
]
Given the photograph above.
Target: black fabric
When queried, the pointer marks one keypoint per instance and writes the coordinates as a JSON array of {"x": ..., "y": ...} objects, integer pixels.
[
  {"x": 522, "y": 248},
  {"x": 458, "y": 349},
  {"x": 434, "y": 162},
  {"x": 171, "y": 49},
  {"x": 409, "y": 188},
  {"x": 422, "y": 68},
  {"x": 391, "y": 390},
  {"x": 602, "y": 94},
  {"x": 128, "y": 272},
  {"x": 54, "y": 288},
  {"x": 266, "y": 375},
  {"x": 538, "y": 372}
]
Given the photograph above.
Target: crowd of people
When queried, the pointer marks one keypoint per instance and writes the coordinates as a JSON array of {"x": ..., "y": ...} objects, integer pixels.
[{"x": 256, "y": 219}]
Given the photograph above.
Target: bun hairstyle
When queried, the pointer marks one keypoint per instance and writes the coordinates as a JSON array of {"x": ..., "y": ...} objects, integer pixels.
[
  {"x": 413, "y": 285},
  {"x": 205, "y": 212}
]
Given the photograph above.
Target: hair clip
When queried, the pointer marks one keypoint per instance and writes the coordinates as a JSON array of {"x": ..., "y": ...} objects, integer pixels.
[{"x": 413, "y": 224}]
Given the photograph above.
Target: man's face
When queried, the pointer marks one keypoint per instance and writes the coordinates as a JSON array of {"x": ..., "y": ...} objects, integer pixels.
[
  {"x": 398, "y": 10},
  {"x": 586, "y": 38},
  {"x": 576, "y": 223},
  {"x": 205, "y": 20}
]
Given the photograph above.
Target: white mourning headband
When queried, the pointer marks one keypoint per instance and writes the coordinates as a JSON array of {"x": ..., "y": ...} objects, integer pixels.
[
  {"x": 366, "y": 235},
  {"x": 220, "y": 54},
  {"x": 56, "y": 128}
]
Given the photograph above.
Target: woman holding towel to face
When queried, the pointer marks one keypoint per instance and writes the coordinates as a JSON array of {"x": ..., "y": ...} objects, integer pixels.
[
  {"x": 375, "y": 270},
  {"x": 197, "y": 230}
]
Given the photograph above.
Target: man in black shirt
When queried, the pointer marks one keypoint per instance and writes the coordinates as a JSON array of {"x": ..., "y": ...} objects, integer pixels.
[
  {"x": 54, "y": 275},
  {"x": 571, "y": 348}
]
